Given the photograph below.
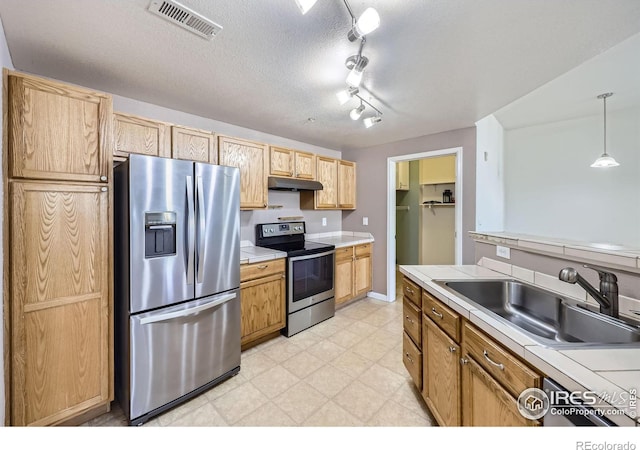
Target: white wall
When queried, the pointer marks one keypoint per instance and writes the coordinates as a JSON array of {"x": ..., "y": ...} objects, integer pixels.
[
  {"x": 5, "y": 61},
  {"x": 489, "y": 175},
  {"x": 290, "y": 201},
  {"x": 553, "y": 192}
]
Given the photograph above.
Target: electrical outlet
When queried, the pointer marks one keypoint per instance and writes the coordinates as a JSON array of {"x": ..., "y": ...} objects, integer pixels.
[
  {"x": 324, "y": 221},
  {"x": 365, "y": 221},
  {"x": 503, "y": 252}
]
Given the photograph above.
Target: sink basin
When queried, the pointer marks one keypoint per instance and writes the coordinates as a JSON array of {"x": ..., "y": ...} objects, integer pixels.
[{"x": 546, "y": 317}]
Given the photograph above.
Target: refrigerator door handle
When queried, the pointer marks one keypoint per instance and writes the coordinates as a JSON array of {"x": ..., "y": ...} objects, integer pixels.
[
  {"x": 186, "y": 312},
  {"x": 191, "y": 230},
  {"x": 201, "y": 227}
]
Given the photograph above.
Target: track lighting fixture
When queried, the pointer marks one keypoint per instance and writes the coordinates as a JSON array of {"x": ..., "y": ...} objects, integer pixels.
[
  {"x": 345, "y": 95},
  {"x": 357, "y": 112},
  {"x": 605, "y": 160},
  {"x": 368, "y": 21},
  {"x": 305, "y": 5},
  {"x": 371, "y": 121}
]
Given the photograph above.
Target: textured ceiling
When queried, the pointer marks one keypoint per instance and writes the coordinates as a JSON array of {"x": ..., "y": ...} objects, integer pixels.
[{"x": 434, "y": 65}]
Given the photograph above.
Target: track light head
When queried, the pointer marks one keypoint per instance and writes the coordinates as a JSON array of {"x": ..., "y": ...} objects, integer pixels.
[
  {"x": 345, "y": 95},
  {"x": 357, "y": 64},
  {"x": 357, "y": 112},
  {"x": 371, "y": 121},
  {"x": 368, "y": 21}
]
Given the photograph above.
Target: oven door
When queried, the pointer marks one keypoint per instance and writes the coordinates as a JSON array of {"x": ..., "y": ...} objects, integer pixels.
[{"x": 310, "y": 280}]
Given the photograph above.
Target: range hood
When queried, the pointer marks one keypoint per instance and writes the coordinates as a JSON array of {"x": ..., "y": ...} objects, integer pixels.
[{"x": 292, "y": 184}]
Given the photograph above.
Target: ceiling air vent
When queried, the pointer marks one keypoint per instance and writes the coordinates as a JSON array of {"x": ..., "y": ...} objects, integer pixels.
[{"x": 185, "y": 17}]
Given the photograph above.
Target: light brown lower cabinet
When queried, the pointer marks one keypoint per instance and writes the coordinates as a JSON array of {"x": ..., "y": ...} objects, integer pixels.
[
  {"x": 262, "y": 300},
  {"x": 352, "y": 272},
  {"x": 485, "y": 403},
  {"x": 441, "y": 374},
  {"x": 467, "y": 378},
  {"x": 61, "y": 364}
]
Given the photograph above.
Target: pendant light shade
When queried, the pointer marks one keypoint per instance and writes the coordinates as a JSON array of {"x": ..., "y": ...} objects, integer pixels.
[{"x": 605, "y": 160}]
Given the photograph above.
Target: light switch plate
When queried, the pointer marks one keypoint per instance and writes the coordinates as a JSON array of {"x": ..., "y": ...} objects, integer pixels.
[
  {"x": 324, "y": 221},
  {"x": 503, "y": 252},
  {"x": 365, "y": 221}
]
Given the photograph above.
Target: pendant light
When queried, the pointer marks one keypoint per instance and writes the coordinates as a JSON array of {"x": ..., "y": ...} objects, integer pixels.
[{"x": 605, "y": 160}]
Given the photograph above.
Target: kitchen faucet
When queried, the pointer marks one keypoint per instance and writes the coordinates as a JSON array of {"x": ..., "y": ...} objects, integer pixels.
[{"x": 607, "y": 297}]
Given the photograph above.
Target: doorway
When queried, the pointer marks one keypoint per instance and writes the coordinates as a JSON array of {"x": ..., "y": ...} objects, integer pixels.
[{"x": 427, "y": 206}]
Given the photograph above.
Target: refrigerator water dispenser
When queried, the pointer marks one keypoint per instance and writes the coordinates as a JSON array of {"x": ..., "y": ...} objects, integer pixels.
[{"x": 159, "y": 234}]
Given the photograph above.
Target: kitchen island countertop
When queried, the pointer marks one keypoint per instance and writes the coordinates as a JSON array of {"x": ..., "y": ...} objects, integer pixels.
[{"x": 608, "y": 370}]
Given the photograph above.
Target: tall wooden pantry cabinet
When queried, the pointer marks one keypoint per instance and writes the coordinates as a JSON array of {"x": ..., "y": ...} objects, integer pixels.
[{"x": 58, "y": 295}]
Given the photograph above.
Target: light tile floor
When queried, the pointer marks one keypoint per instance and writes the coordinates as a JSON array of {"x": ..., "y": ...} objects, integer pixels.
[{"x": 346, "y": 371}]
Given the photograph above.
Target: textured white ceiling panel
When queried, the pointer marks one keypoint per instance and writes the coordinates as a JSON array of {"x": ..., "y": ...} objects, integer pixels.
[{"x": 435, "y": 65}]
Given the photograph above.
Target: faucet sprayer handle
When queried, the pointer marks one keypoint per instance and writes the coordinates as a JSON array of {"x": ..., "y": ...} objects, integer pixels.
[{"x": 604, "y": 275}]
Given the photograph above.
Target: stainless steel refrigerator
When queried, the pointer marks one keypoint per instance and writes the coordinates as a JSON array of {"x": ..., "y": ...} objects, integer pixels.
[{"x": 177, "y": 278}]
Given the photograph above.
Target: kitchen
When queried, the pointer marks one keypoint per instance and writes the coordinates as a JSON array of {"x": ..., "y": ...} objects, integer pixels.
[{"x": 353, "y": 158}]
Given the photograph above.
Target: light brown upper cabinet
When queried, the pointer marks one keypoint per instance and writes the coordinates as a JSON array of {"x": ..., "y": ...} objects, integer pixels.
[
  {"x": 251, "y": 158},
  {"x": 133, "y": 134},
  {"x": 338, "y": 179},
  {"x": 327, "y": 173},
  {"x": 60, "y": 308},
  {"x": 346, "y": 185},
  {"x": 193, "y": 145},
  {"x": 284, "y": 162},
  {"x": 57, "y": 131},
  {"x": 438, "y": 170}
]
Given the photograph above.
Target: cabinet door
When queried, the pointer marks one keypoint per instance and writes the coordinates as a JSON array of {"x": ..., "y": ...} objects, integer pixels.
[
  {"x": 363, "y": 274},
  {"x": 281, "y": 162},
  {"x": 251, "y": 158},
  {"x": 485, "y": 402},
  {"x": 438, "y": 170},
  {"x": 346, "y": 185},
  {"x": 60, "y": 306},
  {"x": 441, "y": 371},
  {"x": 193, "y": 145},
  {"x": 134, "y": 134},
  {"x": 402, "y": 176},
  {"x": 343, "y": 279},
  {"x": 327, "y": 173},
  {"x": 262, "y": 306},
  {"x": 305, "y": 166},
  {"x": 58, "y": 132}
]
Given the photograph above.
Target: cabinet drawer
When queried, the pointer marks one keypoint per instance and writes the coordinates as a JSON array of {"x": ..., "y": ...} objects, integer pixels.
[
  {"x": 411, "y": 291},
  {"x": 261, "y": 269},
  {"x": 412, "y": 358},
  {"x": 514, "y": 375},
  {"x": 363, "y": 250},
  {"x": 344, "y": 253},
  {"x": 442, "y": 315},
  {"x": 412, "y": 322}
]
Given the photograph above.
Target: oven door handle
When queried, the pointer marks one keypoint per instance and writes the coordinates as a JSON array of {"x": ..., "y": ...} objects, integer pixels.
[{"x": 315, "y": 255}]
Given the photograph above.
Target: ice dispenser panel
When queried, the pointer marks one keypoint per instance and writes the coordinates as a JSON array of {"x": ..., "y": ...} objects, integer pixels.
[{"x": 159, "y": 234}]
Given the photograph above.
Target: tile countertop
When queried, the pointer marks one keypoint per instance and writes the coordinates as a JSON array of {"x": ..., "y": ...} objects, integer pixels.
[
  {"x": 340, "y": 238},
  {"x": 250, "y": 254},
  {"x": 603, "y": 370}
]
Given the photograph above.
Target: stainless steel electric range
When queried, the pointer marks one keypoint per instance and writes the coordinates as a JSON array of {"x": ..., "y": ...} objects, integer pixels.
[{"x": 310, "y": 273}]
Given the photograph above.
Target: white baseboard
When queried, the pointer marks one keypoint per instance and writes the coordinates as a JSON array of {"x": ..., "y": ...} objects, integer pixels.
[{"x": 379, "y": 296}]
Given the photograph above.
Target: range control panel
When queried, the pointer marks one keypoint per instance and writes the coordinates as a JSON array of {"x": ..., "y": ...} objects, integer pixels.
[{"x": 281, "y": 229}]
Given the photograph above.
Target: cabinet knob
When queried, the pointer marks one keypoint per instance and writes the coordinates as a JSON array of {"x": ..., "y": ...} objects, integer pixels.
[
  {"x": 463, "y": 361},
  {"x": 452, "y": 349},
  {"x": 103, "y": 189},
  {"x": 103, "y": 178}
]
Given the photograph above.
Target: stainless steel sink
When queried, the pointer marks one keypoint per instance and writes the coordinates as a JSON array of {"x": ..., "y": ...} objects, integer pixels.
[{"x": 546, "y": 317}]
